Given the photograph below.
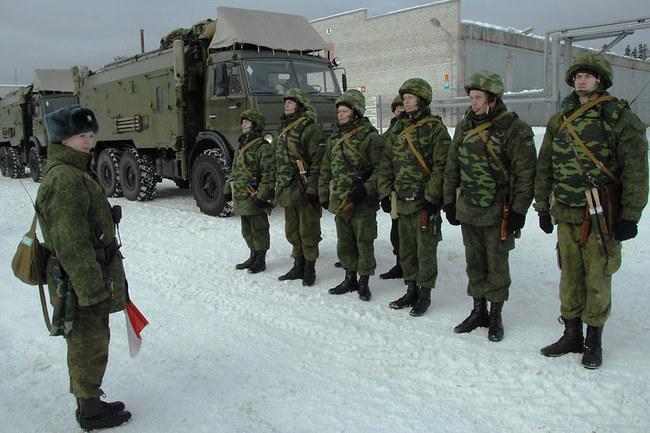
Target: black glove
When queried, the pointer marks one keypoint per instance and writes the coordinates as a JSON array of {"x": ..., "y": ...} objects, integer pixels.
[
  {"x": 313, "y": 200},
  {"x": 516, "y": 221},
  {"x": 545, "y": 222},
  {"x": 325, "y": 205},
  {"x": 385, "y": 204},
  {"x": 450, "y": 213},
  {"x": 261, "y": 203},
  {"x": 227, "y": 197},
  {"x": 430, "y": 207},
  {"x": 625, "y": 229},
  {"x": 358, "y": 194}
]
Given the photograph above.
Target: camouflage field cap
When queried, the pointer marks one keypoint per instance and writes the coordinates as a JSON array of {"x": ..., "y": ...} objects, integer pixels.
[
  {"x": 594, "y": 63},
  {"x": 354, "y": 99},
  {"x": 256, "y": 118},
  {"x": 297, "y": 95},
  {"x": 486, "y": 81},
  {"x": 397, "y": 101},
  {"x": 417, "y": 87}
]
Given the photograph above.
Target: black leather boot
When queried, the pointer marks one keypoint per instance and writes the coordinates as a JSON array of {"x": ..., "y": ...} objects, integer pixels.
[
  {"x": 570, "y": 342},
  {"x": 495, "y": 323},
  {"x": 394, "y": 272},
  {"x": 114, "y": 405},
  {"x": 96, "y": 414},
  {"x": 309, "y": 274},
  {"x": 349, "y": 284},
  {"x": 364, "y": 289},
  {"x": 423, "y": 302},
  {"x": 593, "y": 357},
  {"x": 296, "y": 272},
  {"x": 477, "y": 318},
  {"x": 248, "y": 262},
  {"x": 259, "y": 265},
  {"x": 409, "y": 299}
]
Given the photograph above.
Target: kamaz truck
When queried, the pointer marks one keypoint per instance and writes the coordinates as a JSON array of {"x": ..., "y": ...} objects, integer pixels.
[
  {"x": 173, "y": 113},
  {"x": 23, "y": 139}
]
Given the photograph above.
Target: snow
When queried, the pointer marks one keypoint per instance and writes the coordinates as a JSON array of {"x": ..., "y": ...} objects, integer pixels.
[{"x": 227, "y": 351}]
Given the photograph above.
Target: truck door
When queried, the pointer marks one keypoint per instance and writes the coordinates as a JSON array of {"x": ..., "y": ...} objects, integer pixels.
[{"x": 226, "y": 101}]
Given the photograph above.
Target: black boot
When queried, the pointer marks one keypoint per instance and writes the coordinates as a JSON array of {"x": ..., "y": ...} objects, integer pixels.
[
  {"x": 570, "y": 342},
  {"x": 364, "y": 289},
  {"x": 116, "y": 406},
  {"x": 422, "y": 305},
  {"x": 296, "y": 272},
  {"x": 409, "y": 299},
  {"x": 249, "y": 261},
  {"x": 593, "y": 357},
  {"x": 477, "y": 318},
  {"x": 96, "y": 414},
  {"x": 349, "y": 284},
  {"x": 259, "y": 265},
  {"x": 394, "y": 272},
  {"x": 495, "y": 323},
  {"x": 309, "y": 274}
]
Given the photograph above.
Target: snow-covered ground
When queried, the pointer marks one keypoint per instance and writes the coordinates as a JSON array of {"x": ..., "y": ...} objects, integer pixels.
[{"x": 226, "y": 351}]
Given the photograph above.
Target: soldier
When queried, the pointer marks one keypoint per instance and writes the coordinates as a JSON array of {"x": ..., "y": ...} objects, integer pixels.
[
  {"x": 299, "y": 149},
  {"x": 85, "y": 274},
  {"x": 413, "y": 164},
  {"x": 251, "y": 187},
  {"x": 488, "y": 188},
  {"x": 352, "y": 153},
  {"x": 594, "y": 140},
  {"x": 397, "y": 106}
]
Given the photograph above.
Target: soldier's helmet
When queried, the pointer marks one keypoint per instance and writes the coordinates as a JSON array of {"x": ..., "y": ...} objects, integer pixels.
[
  {"x": 595, "y": 64},
  {"x": 486, "y": 81},
  {"x": 397, "y": 101},
  {"x": 419, "y": 88},
  {"x": 298, "y": 96},
  {"x": 255, "y": 117},
  {"x": 353, "y": 99}
]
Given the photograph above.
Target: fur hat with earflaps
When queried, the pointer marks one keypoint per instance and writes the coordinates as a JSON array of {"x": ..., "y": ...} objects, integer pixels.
[{"x": 68, "y": 121}]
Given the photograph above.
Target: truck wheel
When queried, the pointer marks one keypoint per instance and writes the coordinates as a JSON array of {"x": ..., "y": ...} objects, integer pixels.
[
  {"x": 108, "y": 171},
  {"x": 137, "y": 176},
  {"x": 15, "y": 166},
  {"x": 36, "y": 164},
  {"x": 3, "y": 161},
  {"x": 208, "y": 180}
]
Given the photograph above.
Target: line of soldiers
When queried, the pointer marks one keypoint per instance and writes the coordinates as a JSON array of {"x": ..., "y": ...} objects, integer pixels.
[{"x": 484, "y": 180}]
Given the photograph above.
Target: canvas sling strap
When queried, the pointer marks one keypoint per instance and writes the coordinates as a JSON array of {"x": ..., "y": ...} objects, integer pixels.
[
  {"x": 41, "y": 288},
  {"x": 285, "y": 132},
  {"x": 346, "y": 137},
  {"x": 244, "y": 149},
  {"x": 486, "y": 141},
  {"x": 407, "y": 141}
]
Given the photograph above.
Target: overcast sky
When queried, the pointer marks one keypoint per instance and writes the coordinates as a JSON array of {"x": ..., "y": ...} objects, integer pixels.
[{"x": 57, "y": 34}]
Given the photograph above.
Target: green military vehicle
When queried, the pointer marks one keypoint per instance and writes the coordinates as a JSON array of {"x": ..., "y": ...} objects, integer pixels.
[
  {"x": 173, "y": 113},
  {"x": 22, "y": 121}
]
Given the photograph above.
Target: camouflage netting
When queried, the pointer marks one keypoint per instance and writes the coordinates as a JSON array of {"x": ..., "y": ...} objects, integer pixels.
[{"x": 201, "y": 30}]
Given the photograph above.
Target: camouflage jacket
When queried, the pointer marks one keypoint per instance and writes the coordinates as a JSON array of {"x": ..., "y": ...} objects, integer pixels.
[
  {"x": 401, "y": 171},
  {"x": 76, "y": 219},
  {"x": 386, "y": 133},
  {"x": 308, "y": 141},
  {"x": 615, "y": 136},
  {"x": 484, "y": 184},
  {"x": 253, "y": 167},
  {"x": 343, "y": 166}
]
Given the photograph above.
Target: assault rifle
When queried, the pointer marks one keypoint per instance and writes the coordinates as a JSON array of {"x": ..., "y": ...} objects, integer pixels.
[{"x": 302, "y": 183}]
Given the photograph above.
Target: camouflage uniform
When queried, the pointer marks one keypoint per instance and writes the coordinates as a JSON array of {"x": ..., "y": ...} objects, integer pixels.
[
  {"x": 401, "y": 171},
  {"x": 299, "y": 132},
  {"x": 76, "y": 220},
  {"x": 618, "y": 140}
]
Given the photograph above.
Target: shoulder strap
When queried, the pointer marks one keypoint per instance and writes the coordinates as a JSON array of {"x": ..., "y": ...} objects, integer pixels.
[
  {"x": 583, "y": 109},
  {"x": 482, "y": 126},
  {"x": 291, "y": 146},
  {"x": 244, "y": 149},
  {"x": 346, "y": 137},
  {"x": 572, "y": 131},
  {"x": 406, "y": 138}
]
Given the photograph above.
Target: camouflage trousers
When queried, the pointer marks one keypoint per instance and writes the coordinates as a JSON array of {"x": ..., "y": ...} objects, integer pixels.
[
  {"x": 355, "y": 241},
  {"x": 586, "y": 276},
  {"x": 255, "y": 230},
  {"x": 486, "y": 260},
  {"x": 88, "y": 352},
  {"x": 418, "y": 248},
  {"x": 302, "y": 229}
]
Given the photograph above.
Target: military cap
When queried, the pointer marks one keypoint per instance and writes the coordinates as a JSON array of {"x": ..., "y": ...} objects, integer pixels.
[
  {"x": 256, "y": 118},
  {"x": 397, "y": 101},
  {"x": 354, "y": 99},
  {"x": 486, "y": 81},
  {"x": 595, "y": 64},
  {"x": 68, "y": 121},
  {"x": 417, "y": 87}
]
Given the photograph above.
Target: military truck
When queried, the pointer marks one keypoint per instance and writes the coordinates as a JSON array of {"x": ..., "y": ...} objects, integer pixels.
[
  {"x": 173, "y": 113},
  {"x": 23, "y": 142}
]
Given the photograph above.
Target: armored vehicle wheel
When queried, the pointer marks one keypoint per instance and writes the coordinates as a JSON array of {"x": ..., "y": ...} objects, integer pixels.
[
  {"x": 108, "y": 171},
  {"x": 36, "y": 164},
  {"x": 208, "y": 180},
  {"x": 137, "y": 176},
  {"x": 3, "y": 162},
  {"x": 15, "y": 166}
]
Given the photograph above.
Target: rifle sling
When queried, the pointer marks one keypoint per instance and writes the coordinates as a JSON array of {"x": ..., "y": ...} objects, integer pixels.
[{"x": 407, "y": 141}]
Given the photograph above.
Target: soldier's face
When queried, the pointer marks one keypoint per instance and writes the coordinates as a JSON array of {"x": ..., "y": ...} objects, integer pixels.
[
  {"x": 80, "y": 142},
  {"x": 344, "y": 114},
  {"x": 479, "y": 102},
  {"x": 586, "y": 82},
  {"x": 289, "y": 106},
  {"x": 398, "y": 110},
  {"x": 246, "y": 125},
  {"x": 410, "y": 103}
]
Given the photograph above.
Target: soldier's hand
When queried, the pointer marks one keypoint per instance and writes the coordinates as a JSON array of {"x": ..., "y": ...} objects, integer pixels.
[
  {"x": 450, "y": 213},
  {"x": 545, "y": 222},
  {"x": 261, "y": 203},
  {"x": 313, "y": 200},
  {"x": 625, "y": 229},
  {"x": 358, "y": 194},
  {"x": 227, "y": 197},
  {"x": 516, "y": 221},
  {"x": 325, "y": 205},
  {"x": 431, "y": 208},
  {"x": 385, "y": 204}
]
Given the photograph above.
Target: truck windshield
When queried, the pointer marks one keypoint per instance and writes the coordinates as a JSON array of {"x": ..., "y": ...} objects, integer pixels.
[{"x": 277, "y": 76}]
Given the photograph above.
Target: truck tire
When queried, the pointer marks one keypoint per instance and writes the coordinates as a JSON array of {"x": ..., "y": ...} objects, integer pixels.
[
  {"x": 36, "y": 164},
  {"x": 137, "y": 176},
  {"x": 108, "y": 171},
  {"x": 208, "y": 180},
  {"x": 3, "y": 161},
  {"x": 15, "y": 166}
]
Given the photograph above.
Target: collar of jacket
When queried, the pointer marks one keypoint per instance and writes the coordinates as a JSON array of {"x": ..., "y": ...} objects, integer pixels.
[
  {"x": 499, "y": 108},
  {"x": 350, "y": 125},
  {"x": 58, "y": 154},
  {"x": 250, "y": 135},
  {"x": 572, "y": 102},
  {"x": 288, "y": 118}
]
